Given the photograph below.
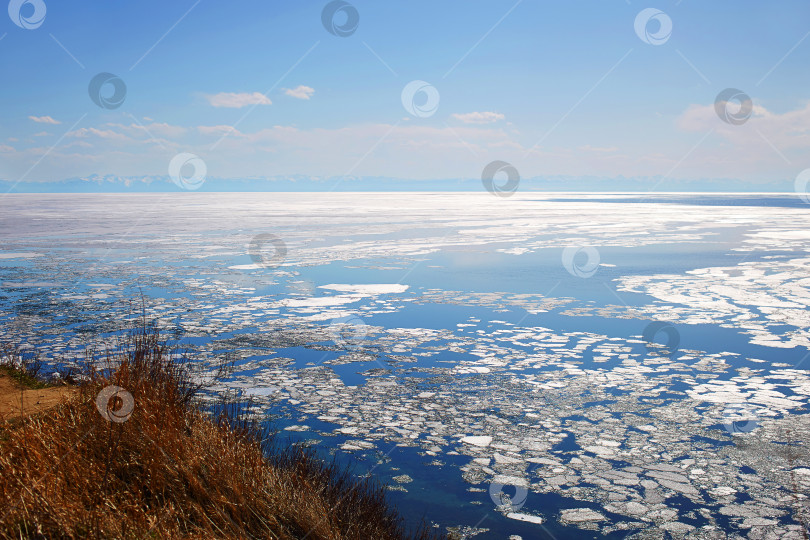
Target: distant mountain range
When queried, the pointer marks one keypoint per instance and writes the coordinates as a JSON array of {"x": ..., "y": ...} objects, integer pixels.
[{"x": 162, "y": 184}]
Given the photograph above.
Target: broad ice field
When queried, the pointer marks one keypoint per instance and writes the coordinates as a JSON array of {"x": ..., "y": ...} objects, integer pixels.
[{"x": 539, "y": 366}]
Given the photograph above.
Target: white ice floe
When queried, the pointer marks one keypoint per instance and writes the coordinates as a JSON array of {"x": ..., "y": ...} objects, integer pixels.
[
  {"x": 525, "y": 517},
  {"x": 579, "y": 515},
  {"x": 369, "y": 289},
  {"x": 477, "y": 440},
  {"x": 20, "y": 255},
  {"x": 318, "y": 301},
  {"x": 759, "y": 297}
]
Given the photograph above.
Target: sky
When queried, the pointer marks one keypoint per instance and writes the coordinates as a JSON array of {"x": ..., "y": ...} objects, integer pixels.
[{"x": 416, "y": 90}]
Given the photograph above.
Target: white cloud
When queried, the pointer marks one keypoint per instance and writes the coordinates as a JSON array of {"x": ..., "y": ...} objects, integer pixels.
[
  {"x": 108, "y": 134},
  {"x": 154, "y": 129},
  {"x": 790, "y": 129},
  {"x": 132, "y": 135},
  {"x": 237, "y": 100},
  {"x": 300, "y": 92},
  {"x": 479, "y": 117},
  {"x": 598, "y": 149},
  {"x": 44, "y": 120},
  {"x": 768, "y": 144},
  {"x": 80, "y": 144},
  {"x": 219, "y": 130}
]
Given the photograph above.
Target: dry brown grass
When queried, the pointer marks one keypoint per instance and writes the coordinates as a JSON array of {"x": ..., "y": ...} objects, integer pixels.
[{"x": 171, "y": 471}]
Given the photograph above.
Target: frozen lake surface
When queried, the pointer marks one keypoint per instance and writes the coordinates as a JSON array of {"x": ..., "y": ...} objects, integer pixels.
[{"x": 544, "y": 366}]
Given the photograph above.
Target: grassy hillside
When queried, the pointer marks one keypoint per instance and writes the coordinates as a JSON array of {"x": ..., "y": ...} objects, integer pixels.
[{"x": 130, "y": 455}]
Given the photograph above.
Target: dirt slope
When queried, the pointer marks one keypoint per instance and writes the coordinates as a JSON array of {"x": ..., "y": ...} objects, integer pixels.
[{"x": 16, "y": 402}]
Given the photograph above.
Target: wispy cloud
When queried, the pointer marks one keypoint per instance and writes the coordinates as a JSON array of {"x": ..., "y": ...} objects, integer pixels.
[
  {"x": 234, "y": 100},
  {"x": 218, "y": 130},
  {"x": 109, "y": 134},
  {"x": 768, "y": 145},
  {"x": 790, "y": 129},
  {"x": 479, "y": 117},
  {"x": 300, "y": 92},
  {"x": 153, "y": 129},
  {"x": 44, "y": 120},
  {"x": 598, "y": 149},
  {"x": 771, "y": 145}
]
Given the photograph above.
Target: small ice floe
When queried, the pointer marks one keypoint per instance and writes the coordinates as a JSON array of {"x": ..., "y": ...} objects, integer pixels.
[
  {"x": 506, "y": 460},
  {"x": 514, "y": 251},
  {"x": 403, "y": 479},
  {"x": 677, "y": 527},
  {"x": 722, "y": 491},
  {"x": 318, "y": 301},
  {"x": 757, "y": 522},
  {"x": 262, "y": 391},
  {"x": 603, "y": 448},
  {"x": 355, "y": 445},
  {"x": 525, "y": 517},
  {"x": 481, "y": 441},
  {"x": 580, "y": 515}
]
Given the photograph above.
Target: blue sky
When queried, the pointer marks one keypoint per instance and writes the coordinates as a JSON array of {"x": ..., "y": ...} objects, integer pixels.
[{"x": 571, "y": 79}]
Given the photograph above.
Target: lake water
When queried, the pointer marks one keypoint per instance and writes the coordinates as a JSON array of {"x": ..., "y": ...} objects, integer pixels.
[{"x": 544, "y": 365}]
